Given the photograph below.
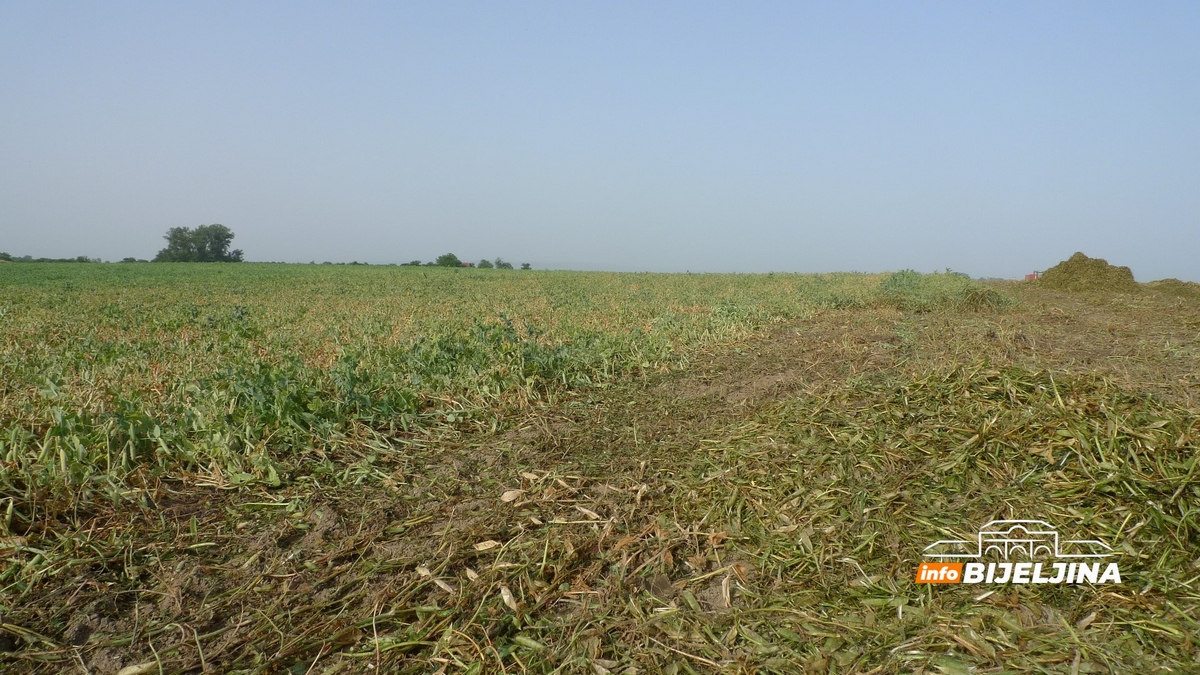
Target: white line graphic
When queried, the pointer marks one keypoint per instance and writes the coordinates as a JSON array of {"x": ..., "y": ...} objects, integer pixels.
[{"x": 1011, "y": 538}]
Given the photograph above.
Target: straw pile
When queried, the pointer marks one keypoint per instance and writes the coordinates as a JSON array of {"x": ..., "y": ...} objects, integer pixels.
[
  {"x": 1176, "y": 288},
  {"x": 1081, "y": 273}
]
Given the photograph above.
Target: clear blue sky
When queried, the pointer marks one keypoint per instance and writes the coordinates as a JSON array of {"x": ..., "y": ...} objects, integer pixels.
[{"x": 993, "y": 138}]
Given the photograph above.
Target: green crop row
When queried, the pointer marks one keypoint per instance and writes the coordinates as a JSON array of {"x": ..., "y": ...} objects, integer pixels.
[{"x": 114, "y": 376}]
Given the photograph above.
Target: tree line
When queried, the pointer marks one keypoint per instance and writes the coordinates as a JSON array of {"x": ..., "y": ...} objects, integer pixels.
[
  {"x": 451, "y": 260},
  {"x": 8, "y": 257},
  {"x": 206, "y": 243},
  {"x": 210, "y": 243}
]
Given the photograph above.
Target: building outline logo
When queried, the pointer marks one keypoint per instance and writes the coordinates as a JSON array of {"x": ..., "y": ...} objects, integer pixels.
[
  {"x": 1029, "y": 550},
  {"x": 1009, "y": 538}
]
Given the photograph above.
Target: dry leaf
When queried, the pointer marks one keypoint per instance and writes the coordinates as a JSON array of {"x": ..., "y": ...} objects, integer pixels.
[
  {"x": 969, "y": 646},
  {"x": 590, "y": 514},
  {"x": 472, "y": 574},
  {"x": 862, "y": 582},
  {"x": 139, "y": 669},
  {"x": 806, "y": 539},
  {"x": 660, "y": 586},
  {"x": 508, "y": 598},
  {"x": 1085, "y": 621},
  {"x": 741, "y": 569},
  {"x": 444, "y": 586},
  {"x": 529, "y": 476},
  {"x": 424, "y": 571},
  {"x": 485, "y": 545},
  {"x": 511, "y": 495},
  {"x": 623, "y": 542},
  {"x": 10, "y": 546}
]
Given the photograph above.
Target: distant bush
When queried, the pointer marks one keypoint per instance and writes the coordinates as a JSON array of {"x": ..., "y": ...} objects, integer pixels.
[
  {"x": 485, "y": 264},
  {"x": 915, "y": 292}
]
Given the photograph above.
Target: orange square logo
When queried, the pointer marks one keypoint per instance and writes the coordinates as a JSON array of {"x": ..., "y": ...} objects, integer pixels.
[{"x": 939, "y": 573}]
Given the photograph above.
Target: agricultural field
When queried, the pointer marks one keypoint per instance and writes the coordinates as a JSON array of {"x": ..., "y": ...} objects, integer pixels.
[{"x": 256, "y": 468}]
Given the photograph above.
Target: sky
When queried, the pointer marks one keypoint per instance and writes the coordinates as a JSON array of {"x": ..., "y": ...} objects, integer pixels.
[{"x": 993, "y": 138}]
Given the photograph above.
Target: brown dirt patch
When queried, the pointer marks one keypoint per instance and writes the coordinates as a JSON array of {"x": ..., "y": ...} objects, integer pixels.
[
  {"x": 805, "y": 356},
  {"x": 1146, "y": 343}
]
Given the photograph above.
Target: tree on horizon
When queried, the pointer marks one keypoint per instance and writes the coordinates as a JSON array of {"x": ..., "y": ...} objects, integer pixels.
[{"x": 206, "y": 243}]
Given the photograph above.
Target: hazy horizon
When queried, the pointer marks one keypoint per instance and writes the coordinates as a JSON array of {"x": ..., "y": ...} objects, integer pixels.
[{"x": 993, "y": 139}]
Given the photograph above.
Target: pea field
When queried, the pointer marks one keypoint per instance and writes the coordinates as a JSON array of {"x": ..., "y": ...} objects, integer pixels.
[{"x": 270, "y": 468}]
